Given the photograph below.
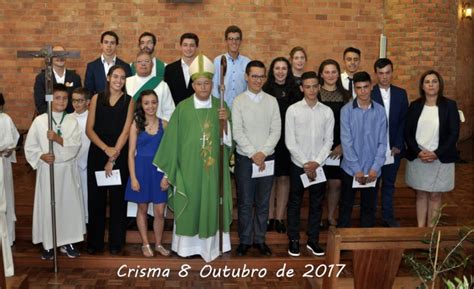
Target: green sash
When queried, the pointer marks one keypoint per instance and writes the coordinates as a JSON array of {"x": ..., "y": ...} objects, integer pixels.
[{"x": 150, "y": 84}]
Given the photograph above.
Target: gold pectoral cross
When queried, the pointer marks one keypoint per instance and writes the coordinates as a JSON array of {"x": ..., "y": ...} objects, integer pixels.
[{"x": 204, "y": 139}]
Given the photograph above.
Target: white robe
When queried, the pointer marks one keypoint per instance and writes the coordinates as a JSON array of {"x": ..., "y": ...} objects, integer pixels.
[
  {"x": 10, "y": 193},
  {"x": 165, "y": 100},
  {"x": 69, "y": 206},
  {"x": 82, "y": 157},
  {"x": 8, "y": 140}
]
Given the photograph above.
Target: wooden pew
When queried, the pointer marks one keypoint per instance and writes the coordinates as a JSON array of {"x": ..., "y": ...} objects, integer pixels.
[{"x": 377, "y": 252}]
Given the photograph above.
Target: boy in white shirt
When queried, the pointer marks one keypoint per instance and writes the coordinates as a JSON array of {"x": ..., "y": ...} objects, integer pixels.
[{"x": 309, "y": 137}]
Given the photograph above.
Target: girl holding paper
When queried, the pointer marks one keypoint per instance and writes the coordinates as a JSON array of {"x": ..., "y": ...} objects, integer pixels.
[{"x": 108, "y": 126}]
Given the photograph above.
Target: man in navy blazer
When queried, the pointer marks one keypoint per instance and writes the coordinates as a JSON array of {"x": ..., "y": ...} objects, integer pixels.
[
  {"x": 177, "y": 73},
  {"x": 60, "y": 75},
  {"x": 96, "y": 72},
  {"x": 395, "y": 101}
]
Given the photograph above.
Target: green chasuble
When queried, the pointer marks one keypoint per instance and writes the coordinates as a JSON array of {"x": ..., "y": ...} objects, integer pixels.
[{"x": 189, "y": 156}]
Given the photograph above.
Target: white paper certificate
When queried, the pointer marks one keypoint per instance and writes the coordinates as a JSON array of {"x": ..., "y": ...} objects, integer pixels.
[
  {"x": 332, "y": 162},
  {"x": 268, "y": 171},
  {"x": 389, "y": 159},
  {"x": 113, "y": 180},
  {"x": 356, "y": 184},
  {"x": 320, "y": 178}
]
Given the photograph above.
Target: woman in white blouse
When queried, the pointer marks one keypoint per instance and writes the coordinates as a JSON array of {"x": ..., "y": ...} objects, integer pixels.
[{"x": 431, "y": 132}]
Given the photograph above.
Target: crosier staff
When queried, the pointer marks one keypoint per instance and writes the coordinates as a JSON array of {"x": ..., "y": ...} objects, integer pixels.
[{"x": 221, "y": 155}]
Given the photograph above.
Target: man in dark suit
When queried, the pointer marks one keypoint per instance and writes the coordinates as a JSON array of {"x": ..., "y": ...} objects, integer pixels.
[
  {"x": 96, "y": 72},
  {"x": 395, "y": 101},
  {"x": 177, "y": 73},
  {"x": 60, "y": 75}
]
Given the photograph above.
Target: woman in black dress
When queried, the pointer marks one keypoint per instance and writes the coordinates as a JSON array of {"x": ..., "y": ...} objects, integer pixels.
[
  {"x": 282, "y": 86},
  {"x": 333, "y": 94},
  {"x": 108, "y": 126}
]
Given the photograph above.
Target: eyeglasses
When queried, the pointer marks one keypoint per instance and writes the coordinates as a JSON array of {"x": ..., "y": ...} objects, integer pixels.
[
  {"x": 259, "y": 77},
  {"x": 143, "y": 61},
  {"x": 236, "y": 39},
  {"x": 78, "y": 100}
]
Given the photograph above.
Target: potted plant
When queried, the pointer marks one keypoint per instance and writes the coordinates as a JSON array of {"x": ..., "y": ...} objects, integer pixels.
[{"x": 431, "y": 266}]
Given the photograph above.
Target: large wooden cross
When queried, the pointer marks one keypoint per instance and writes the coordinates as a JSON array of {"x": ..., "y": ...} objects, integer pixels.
[{"x": 48, "y": 54}]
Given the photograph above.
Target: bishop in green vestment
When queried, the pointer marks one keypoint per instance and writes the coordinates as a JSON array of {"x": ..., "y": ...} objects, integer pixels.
[{"x": 189, "y": 157}]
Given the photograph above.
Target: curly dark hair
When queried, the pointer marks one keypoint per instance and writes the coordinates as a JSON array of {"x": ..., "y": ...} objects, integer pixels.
[{"x": 139, "y": 114}]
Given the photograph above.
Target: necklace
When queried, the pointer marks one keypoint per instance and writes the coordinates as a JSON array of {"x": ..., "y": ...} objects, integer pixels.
[
  {"x": 205, "y": 125},
  {"x": 206, "y": 146},
  {"x": 58, "y": 126},
  {"x": 150, "y": 127}
]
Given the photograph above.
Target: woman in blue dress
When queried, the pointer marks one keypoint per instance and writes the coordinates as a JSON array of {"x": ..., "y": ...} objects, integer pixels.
[{"x": 146, "y": 184}]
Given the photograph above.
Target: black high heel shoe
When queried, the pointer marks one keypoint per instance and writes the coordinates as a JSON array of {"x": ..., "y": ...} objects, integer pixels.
[
  {"x": 270, "y": 225},
  {"x": 280, "y": 226}
]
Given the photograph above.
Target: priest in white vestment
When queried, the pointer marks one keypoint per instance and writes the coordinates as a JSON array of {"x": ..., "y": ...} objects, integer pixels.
[{"x": 144, "y": 80}]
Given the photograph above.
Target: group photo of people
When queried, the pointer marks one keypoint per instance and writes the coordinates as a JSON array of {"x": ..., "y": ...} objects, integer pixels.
[{"x": 145, "y": 138}]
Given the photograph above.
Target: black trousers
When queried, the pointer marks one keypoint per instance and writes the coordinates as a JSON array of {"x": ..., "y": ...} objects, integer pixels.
[
  {"x": 316, "y": 195},
  {"x": 97, "y": 204},
  {"x": 346, "y": 202}
]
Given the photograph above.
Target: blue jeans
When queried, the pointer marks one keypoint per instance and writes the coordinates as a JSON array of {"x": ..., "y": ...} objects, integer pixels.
[
  {"x": 388, "y": 178},
  {"x": 253, "y": 196},
  {"x": 367, "y": 204}
]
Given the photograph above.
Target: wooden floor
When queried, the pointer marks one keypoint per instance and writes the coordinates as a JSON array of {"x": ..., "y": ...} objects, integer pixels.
[{"x": 127, "y": 271}]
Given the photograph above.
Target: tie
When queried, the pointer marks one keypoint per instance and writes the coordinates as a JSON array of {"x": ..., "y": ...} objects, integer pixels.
[{"x": 350, "y": 86}]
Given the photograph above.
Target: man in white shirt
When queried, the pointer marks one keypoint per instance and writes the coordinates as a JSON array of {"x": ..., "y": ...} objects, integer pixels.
[
  {"x": 309, "y": 128},
  {"x": 61, "y": 75},
  {"x": 144, "y": 80},
  {"x": 351, "y": 61},
  {"x": 256, "y": 129},
  {"x": 96, "y": 71},
  {"x": 177, "y": 73},
  {"x": 395, "y": 101}
]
